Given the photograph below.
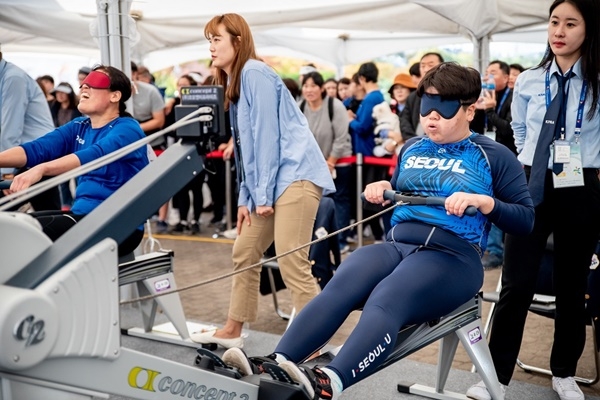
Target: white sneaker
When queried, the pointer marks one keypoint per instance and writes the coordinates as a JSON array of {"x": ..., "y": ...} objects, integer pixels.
[
  {"x": 231, "y": 233},
  {"x": 567, "y": 388},
  {"x": 479, "y": 391}
]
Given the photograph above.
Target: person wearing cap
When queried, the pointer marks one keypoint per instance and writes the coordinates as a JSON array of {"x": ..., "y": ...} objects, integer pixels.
[
  {"x": 64, "y": 108},
  {"x": 105, "y": 128},
  {"x": 305, "y": 69},
  {"x": 83, "y": 73},
  {"x": 402, "y": 87},
  {"x": 24, "y": 116}
]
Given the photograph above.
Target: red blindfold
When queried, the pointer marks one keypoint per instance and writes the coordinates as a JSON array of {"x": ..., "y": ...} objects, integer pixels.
[{"x": 97, "y": 80}]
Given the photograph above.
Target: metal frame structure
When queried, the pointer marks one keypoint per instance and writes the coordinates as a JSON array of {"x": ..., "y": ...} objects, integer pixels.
[{"x": 59, "y": 320}]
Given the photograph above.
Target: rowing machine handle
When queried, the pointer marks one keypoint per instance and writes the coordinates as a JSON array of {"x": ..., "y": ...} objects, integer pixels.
[
  {"x": 5, "y": 184},
  {"x": 422, "y": 200}
]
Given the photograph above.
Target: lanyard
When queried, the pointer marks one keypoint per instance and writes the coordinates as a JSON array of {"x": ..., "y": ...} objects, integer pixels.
[
  {"x": 498, "y": 107},
  {"x": 579, "y": 120},
  {"x": 504, "y": 97}
]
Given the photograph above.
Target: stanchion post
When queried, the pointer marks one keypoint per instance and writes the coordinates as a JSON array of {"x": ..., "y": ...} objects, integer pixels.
[
  {"x": 228, "y": 191},
  {"x": 359, "y": 204}
]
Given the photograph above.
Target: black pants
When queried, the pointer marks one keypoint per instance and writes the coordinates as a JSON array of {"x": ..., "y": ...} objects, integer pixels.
[
  {"x": 215, "y": 173},
  {"x": 181, "y": 200},
  {"x": 56, "y": 223},
  {"x": 375, "y": 173},
  {"x": 573, "y": 216}
]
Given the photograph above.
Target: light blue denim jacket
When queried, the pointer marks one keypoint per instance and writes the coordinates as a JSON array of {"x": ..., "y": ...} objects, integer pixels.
[{"x": 277, "y": 146}]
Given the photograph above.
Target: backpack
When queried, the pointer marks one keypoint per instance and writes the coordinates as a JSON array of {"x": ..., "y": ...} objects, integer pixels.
[{"x": 329, "y": 104}]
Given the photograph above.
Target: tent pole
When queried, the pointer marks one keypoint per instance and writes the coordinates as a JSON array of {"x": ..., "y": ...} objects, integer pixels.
[
  {"x": 124, "y": 7},
  {"x": 114, "y": 34},
  {"x": 481, "y": 53},
  {"x": 485, "y": 52},
  {"x": 102, "y": 7}
]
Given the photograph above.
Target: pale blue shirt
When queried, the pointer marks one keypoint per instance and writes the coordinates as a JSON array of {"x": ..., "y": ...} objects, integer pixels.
[
  {"x": 529, "y": 108},
  {"x": 276, "y": 143},
  {"x": 24, "y": 111}
]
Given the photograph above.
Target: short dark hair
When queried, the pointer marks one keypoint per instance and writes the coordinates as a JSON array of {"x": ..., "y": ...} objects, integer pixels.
[
  {"x": 47, "y": 78},
  {"x": 503, "y": 66},
  {"x": 518, "y": 67},
  {"x": 355, "y": 78},
  {"x": 368, "y": 71},
  {"x": 452, "y": 81},
  {"x": 144, "y": 71},
  {"x": 134, "y": 67},
  {"x": 415, "y": 70},
  {"x": 344, "y": 81},
  {"x": 433, "y": 53},
  {"x": 316, "y": 77},
  {"x": 189, "y": 78}
]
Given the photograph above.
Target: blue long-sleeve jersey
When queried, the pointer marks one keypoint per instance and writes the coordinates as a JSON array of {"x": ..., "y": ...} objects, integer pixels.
[
  {"x": 79, "y": 138},
  {"x": 474, "y": 165}
]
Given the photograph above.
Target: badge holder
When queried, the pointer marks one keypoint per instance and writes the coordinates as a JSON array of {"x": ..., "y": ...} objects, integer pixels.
[{"x": 568, "y": 154}]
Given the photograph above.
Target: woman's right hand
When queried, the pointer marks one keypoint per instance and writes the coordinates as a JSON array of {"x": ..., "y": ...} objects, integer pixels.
[
  {"x": 374, "y": 192},
  {"x": 242, "y": 215}
]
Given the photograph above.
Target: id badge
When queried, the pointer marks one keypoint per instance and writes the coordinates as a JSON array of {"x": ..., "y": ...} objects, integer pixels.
[
  {"x": 572, "y": 173},
  {"x": 562, "y": 151}
]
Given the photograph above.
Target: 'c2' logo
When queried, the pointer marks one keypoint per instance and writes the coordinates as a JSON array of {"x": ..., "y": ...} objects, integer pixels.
[
  {"x": 150, "y": 376},
  {"x": 30, "y": 331}
]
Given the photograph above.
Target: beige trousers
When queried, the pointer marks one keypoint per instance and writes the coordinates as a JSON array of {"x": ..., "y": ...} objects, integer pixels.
[{"x": 291, "y": 225}]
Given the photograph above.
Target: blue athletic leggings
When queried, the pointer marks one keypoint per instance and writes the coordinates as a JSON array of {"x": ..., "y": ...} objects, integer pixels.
[{"x": 420, "y": 274}]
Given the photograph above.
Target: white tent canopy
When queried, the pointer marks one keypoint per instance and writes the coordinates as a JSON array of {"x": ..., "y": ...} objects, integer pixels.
[{"x": 337, "y": 32}]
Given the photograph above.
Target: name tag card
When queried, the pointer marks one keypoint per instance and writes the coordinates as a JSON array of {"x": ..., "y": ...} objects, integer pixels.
[{"x": 572, "y": 173}]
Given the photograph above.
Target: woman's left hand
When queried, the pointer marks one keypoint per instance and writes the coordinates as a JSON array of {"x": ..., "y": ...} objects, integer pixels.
[{"x": 457, "y": 203}]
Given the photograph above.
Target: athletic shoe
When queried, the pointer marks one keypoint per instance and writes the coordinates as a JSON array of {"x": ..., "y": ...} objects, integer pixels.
[
  {"x": 316, "y": 382},
  {"x": 231, "y": 233},
  {"x": 237, "y": 358},
  {"x": 491, "y": 261},
  {"x": 180, "y": 228},
  {"x": 567, "y": 388},
  {"x": 344, "y": 248},
  {"x": 215, "y": 221},
  {"x": 195, "y": 228},
  {"x": 161, "y": 227},
  {"x": 479, "y": 391}
]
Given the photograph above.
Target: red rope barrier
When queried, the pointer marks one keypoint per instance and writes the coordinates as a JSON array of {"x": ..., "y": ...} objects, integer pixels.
[{"x": 370, "y": 160}]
